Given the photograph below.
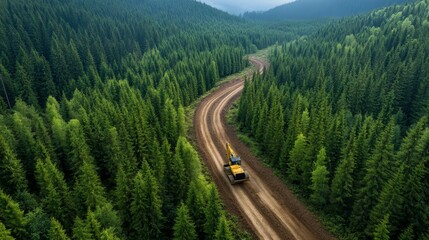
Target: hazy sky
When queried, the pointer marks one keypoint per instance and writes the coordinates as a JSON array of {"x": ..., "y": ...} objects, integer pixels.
[{"x": 240, "y": 6}]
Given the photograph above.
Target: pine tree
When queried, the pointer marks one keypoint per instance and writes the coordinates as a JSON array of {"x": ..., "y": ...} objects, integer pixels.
[
  {"x": 25, "y": 91},
  {"x": 108, "y": 218},
  {"x": 88, "y": 191},
  {"x": 77, "y": 148},
  {"x": 5, "y": 233},
  {"x": 74, "y": 61},
  {"x": 56, "y": 231},
  {"x": 122, "y": 194},
  {"x": 196, "y": 200},
  {"x": 12, "y": 173},
  {"x": 389, "y": 203},
  {"x": 109, "y": 234},
  {"x": 382, "y": 229},
  {"x": 342, "y": 187},
  {"x": 407, "y": 234},
  {"x": 320, "y": 180},
  {"x": 298, "y": 159},
  {"x": 184, "y": 228},
  {"x": 185, "y": 153},
  {"x": 213, "y": 213},
  {"x": 38, "y": 224},
  {"x": 223, "y": 231},
  {"x": 378, "y": 170},
  {"x": 54, "y": 190},
  {"x": 12, "y": 216},
  {"x": 273, "y": 138},
  {"x": 146, "y": 215},
  {"x": 89, "y": 228}
]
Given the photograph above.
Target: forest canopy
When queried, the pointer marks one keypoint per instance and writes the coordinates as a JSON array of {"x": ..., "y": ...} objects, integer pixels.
[
  {"x": 92, "y": 122},
  {"x": 343, "y": 115}
]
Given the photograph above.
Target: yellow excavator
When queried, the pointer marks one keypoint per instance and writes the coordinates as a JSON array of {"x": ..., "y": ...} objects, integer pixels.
[{"x": 233, "y": 168}]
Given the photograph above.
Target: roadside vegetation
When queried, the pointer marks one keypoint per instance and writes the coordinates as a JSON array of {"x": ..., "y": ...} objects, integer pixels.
[{"x": 343, "y": 117}]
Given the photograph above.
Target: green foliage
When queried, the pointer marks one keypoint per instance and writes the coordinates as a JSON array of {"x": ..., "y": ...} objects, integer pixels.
[
  {"x": 146, "y": 215},
  {"x": 88, "y": 191},
  {"x": 5, "y": 233},
  {"x": 97, "y": 91},
  {"x": 213, "y": 213},
  {"x": 53, "y": 189},
  {"x": 354, "y": 87},
  {"x": 298, "y": 159},
  {"x": 56, "y": 232},
  {"x": 382, "y": 229},
  {"x": 12, "y": 174},
  {"x": 12, "y": 216},
  {"x": 223, "y": 231},
  {"x": 320, "y": 180},
  {"x": 184, "y": 228},
  {"x": 38, "y": 224}
]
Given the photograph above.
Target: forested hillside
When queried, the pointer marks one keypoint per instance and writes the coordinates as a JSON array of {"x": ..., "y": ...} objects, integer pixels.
[
  {"x": 92, "y": 122},
  {"x": 343, "y": 116},
  {"x": 316, "y": 9}
]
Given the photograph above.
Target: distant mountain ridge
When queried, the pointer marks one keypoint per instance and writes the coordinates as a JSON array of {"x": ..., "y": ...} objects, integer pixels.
[{"x": 316, "y": 9}]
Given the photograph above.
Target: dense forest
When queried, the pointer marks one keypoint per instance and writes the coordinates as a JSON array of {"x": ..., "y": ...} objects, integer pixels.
[
  {"x": 317, "y": 9},
  {"x": 92, "y": 122},
  {"x": 343, "y": 116}
]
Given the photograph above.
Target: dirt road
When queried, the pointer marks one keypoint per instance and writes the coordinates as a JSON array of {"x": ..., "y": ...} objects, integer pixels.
[{"x": 264, "y": 205}]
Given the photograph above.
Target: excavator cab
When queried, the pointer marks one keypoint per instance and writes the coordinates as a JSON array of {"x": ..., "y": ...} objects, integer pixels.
[{"x": 235, "y": 160}]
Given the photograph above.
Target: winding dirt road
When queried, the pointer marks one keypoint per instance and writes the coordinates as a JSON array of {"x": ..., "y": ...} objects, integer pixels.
[{"x": 264, "y": 205}]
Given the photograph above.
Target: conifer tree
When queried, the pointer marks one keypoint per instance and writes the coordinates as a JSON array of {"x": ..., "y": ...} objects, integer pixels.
[
  {"x": 320, "y": 180},
  {"x": 196, "y": 200},
  {"x": 146, "y": 215},
  {"x": 12, "y": 173},
  {"x": 274, "y": 132},
  {"x": 407, "y": 234},
  {"x": 378, "y": 170},
  {"x": 38, "y": 224},
  {"x": 184, "y": 228},
  {"x": 389, "y": 203},
  {"x": 77, "y": 148},
  {"x": 213, "y": 213},
  {"x": 56, "y": 231},
  {"x": 54, "y": 190},
  {"x": 382, "y": 229},
  {"x": 108, "y": 218},
  {"x": 5, "y": 233},
  {"x": 298, "y": 159},
  {"x": 88, "y": 191},
  {"x": 342, "y": 187},
  {"x": 12, "y": 216},
  {"x": 223, "y": 231}
]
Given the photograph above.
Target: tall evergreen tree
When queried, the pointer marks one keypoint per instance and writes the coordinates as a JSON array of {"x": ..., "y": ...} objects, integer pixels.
[
  {"x": 378, "y": 170},
  {"x": 223, "y": 231},
  {"x": 342, "y": 187},
  {"x": 320, "y": 180},
  {"x": 56, "y": 231},
  {"x": 389, "y": 203},
  {"x": 184, "y": 228},
  {"x": 382, "y": 229},
  {"x": 146, "y": 215},
  {"x": 5, "y": 233},
  {"x": 12, "y": 174},
  {"x": 213, "y": 213},
  {"x": 12, "y": 216},
  {"x": 88, "y": 191},
  {"x": 298, "y": 159}
]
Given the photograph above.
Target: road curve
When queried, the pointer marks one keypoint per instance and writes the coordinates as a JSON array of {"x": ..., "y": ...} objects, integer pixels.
[{"x": 265, "y": 206}]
